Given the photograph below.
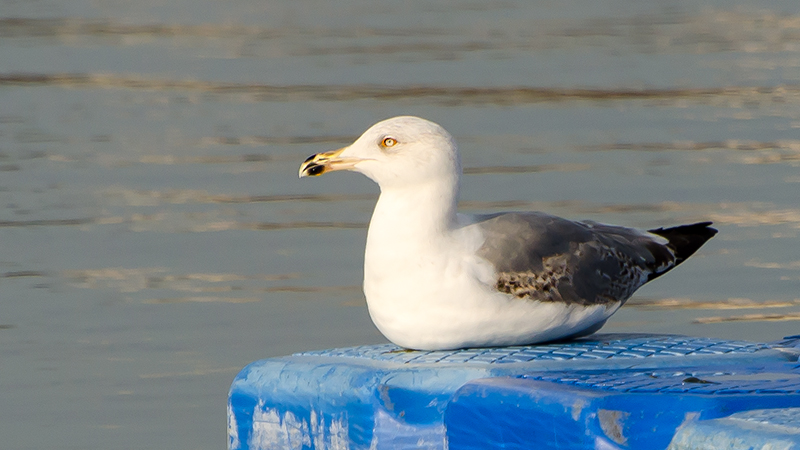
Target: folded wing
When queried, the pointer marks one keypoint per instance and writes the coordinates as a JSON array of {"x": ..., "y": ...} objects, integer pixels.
[{"x": 541, "y": 257}]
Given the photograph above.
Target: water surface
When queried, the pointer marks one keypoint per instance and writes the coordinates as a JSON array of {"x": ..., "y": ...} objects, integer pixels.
[{"x": 155, "y": 237}]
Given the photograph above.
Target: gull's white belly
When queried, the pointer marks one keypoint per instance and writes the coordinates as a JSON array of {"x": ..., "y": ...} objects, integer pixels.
[{"x": 446, "y": 303}]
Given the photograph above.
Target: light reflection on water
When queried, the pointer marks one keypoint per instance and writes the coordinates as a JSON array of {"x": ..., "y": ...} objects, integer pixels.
[{"x": 155, "y": 237}]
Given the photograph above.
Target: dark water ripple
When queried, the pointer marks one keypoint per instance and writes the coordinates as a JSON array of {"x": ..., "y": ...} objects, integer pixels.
[{"x": 453, "y": 95}]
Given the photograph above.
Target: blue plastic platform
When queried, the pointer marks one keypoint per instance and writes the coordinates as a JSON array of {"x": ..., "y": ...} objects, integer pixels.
[
  {"x": 604, "y": 391},
  {"x": 773, "y": 429}
]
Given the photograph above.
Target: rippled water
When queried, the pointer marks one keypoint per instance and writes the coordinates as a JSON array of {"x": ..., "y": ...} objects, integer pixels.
[{"x": 154, "y": 237}]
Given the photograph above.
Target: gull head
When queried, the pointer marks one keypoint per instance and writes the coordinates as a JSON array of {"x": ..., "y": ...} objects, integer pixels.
[{"x": 400, "y": 151}]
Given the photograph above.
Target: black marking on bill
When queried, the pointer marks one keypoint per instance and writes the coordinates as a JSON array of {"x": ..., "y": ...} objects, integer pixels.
[{"x": 316, "y": 169}]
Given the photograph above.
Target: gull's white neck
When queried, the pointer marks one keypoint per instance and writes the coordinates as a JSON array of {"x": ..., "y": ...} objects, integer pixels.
[
  {"x": 408, "y": 235},
  {"x": 413, "y": 215}
]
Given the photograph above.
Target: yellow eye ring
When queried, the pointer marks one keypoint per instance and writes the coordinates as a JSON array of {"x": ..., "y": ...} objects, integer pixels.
[{"x": 388, "y": 142}]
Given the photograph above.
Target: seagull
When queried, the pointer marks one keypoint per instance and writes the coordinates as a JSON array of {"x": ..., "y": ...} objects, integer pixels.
[{"x": 435, "y": 279}]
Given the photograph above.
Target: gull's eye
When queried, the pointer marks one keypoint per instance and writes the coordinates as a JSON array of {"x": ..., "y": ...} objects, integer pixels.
[{"x": 388, "y": 142}]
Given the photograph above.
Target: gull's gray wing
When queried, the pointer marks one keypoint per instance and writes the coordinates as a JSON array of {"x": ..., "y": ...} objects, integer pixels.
[{"x": 547, "y": 258}]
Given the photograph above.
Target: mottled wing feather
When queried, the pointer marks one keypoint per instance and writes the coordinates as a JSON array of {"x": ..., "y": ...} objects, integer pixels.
[{"x": 542, "y": 257}]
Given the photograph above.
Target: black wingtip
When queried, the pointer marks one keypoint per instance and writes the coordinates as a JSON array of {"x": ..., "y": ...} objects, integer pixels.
[{"x": 686, "y": 239}]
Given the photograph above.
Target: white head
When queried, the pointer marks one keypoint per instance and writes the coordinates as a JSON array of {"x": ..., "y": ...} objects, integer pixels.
[{"x": 396, "y": 152}]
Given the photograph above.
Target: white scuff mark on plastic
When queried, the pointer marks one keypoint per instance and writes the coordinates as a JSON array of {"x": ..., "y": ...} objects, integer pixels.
[
  {"x": 273, "y": 429},
  {"x": 233, "y": 430},
  {"x": 317, "y": 433},
  {"x": 390, "y": 433},
  {"x": 577, "y": 408},
  {"x": 339, "y": 437},
  {"x": 603, "y": 444},
  {"x": 334, "y": 436}
]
